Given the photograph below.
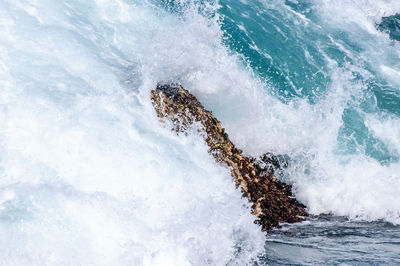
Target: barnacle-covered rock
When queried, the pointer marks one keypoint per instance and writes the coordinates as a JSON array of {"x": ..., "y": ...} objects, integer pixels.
[{"x": 273, "y": 202}]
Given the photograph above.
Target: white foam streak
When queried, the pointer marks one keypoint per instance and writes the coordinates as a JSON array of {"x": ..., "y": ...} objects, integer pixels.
[{"x": 87, "y": 173}]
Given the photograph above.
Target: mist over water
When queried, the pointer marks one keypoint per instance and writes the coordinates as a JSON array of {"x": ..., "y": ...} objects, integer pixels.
[{"x": 88, "y": 175}]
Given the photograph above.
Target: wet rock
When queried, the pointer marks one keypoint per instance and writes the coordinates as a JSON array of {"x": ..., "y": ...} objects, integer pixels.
[
  {"x": 391, "y": 25},
  {"x": 271, "y": 163},
  {"x": 272, "y": 200}
]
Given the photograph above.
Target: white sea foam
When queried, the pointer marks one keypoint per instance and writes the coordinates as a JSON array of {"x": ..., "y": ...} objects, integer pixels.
[
  {"x": 326, "y": 179},
  {"x": 87, "y": 173},
  {"x": 89, "y": 176}
]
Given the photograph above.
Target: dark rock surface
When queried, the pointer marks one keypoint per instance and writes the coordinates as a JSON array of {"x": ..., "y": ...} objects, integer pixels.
[
  {"x": 270, "y": 163},
  {"x": 391, "y": 25},
  {"x": 272, "y": 200}
]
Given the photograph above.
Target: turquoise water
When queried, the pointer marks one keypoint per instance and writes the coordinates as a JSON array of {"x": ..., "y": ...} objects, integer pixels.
[
  {"x": 88, "y": 175},
  {"x": 294, "y": 49}
]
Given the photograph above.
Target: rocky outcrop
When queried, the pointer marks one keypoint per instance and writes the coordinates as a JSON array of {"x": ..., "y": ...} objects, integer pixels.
[{"x": 272, "y": 200}]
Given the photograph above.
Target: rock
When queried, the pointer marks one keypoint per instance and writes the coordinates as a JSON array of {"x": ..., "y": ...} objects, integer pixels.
[
  {"x": 391, "y": 25},
  {"x": 270, "y": 163},
  {"x": 272, "y": 200}
]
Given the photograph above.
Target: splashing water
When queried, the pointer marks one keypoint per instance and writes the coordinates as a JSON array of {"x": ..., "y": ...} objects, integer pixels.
[
  {"x": 89, "y": 176},
  {"x": 336, "y": 78},
  {"x": 87, "y": 173}
]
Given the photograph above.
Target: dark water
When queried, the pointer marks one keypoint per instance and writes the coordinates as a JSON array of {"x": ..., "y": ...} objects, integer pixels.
[{"x": 331, "y": 240}]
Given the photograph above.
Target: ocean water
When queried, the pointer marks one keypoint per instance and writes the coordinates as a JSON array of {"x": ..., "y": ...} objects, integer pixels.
[{"x": 88, "y": 176}]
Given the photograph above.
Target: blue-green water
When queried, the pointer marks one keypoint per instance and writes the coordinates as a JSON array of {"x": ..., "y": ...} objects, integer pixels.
[
  {"x": 88, "y": 175},
  {"x": 300, "y": 51},
  {"x": 295, "y": 50}
]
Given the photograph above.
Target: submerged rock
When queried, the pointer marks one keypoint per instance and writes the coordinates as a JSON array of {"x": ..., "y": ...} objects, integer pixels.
[
  {"x": 273, "y": 202},
  {"x": 391, "y": 25}
]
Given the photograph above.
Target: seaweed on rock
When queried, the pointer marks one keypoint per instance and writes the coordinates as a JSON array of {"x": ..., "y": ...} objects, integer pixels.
[{"x": 272, "y": 200}]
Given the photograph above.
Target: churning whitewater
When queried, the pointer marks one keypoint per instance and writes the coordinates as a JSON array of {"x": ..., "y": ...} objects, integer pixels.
[{"x": 89, "y": 176}]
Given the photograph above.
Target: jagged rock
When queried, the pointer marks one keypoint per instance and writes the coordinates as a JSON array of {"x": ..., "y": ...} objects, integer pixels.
[
  {"x": 270, "y": 163},
  {"x": 272, "y": 200},
  {"x": 391, "y": 25}
]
